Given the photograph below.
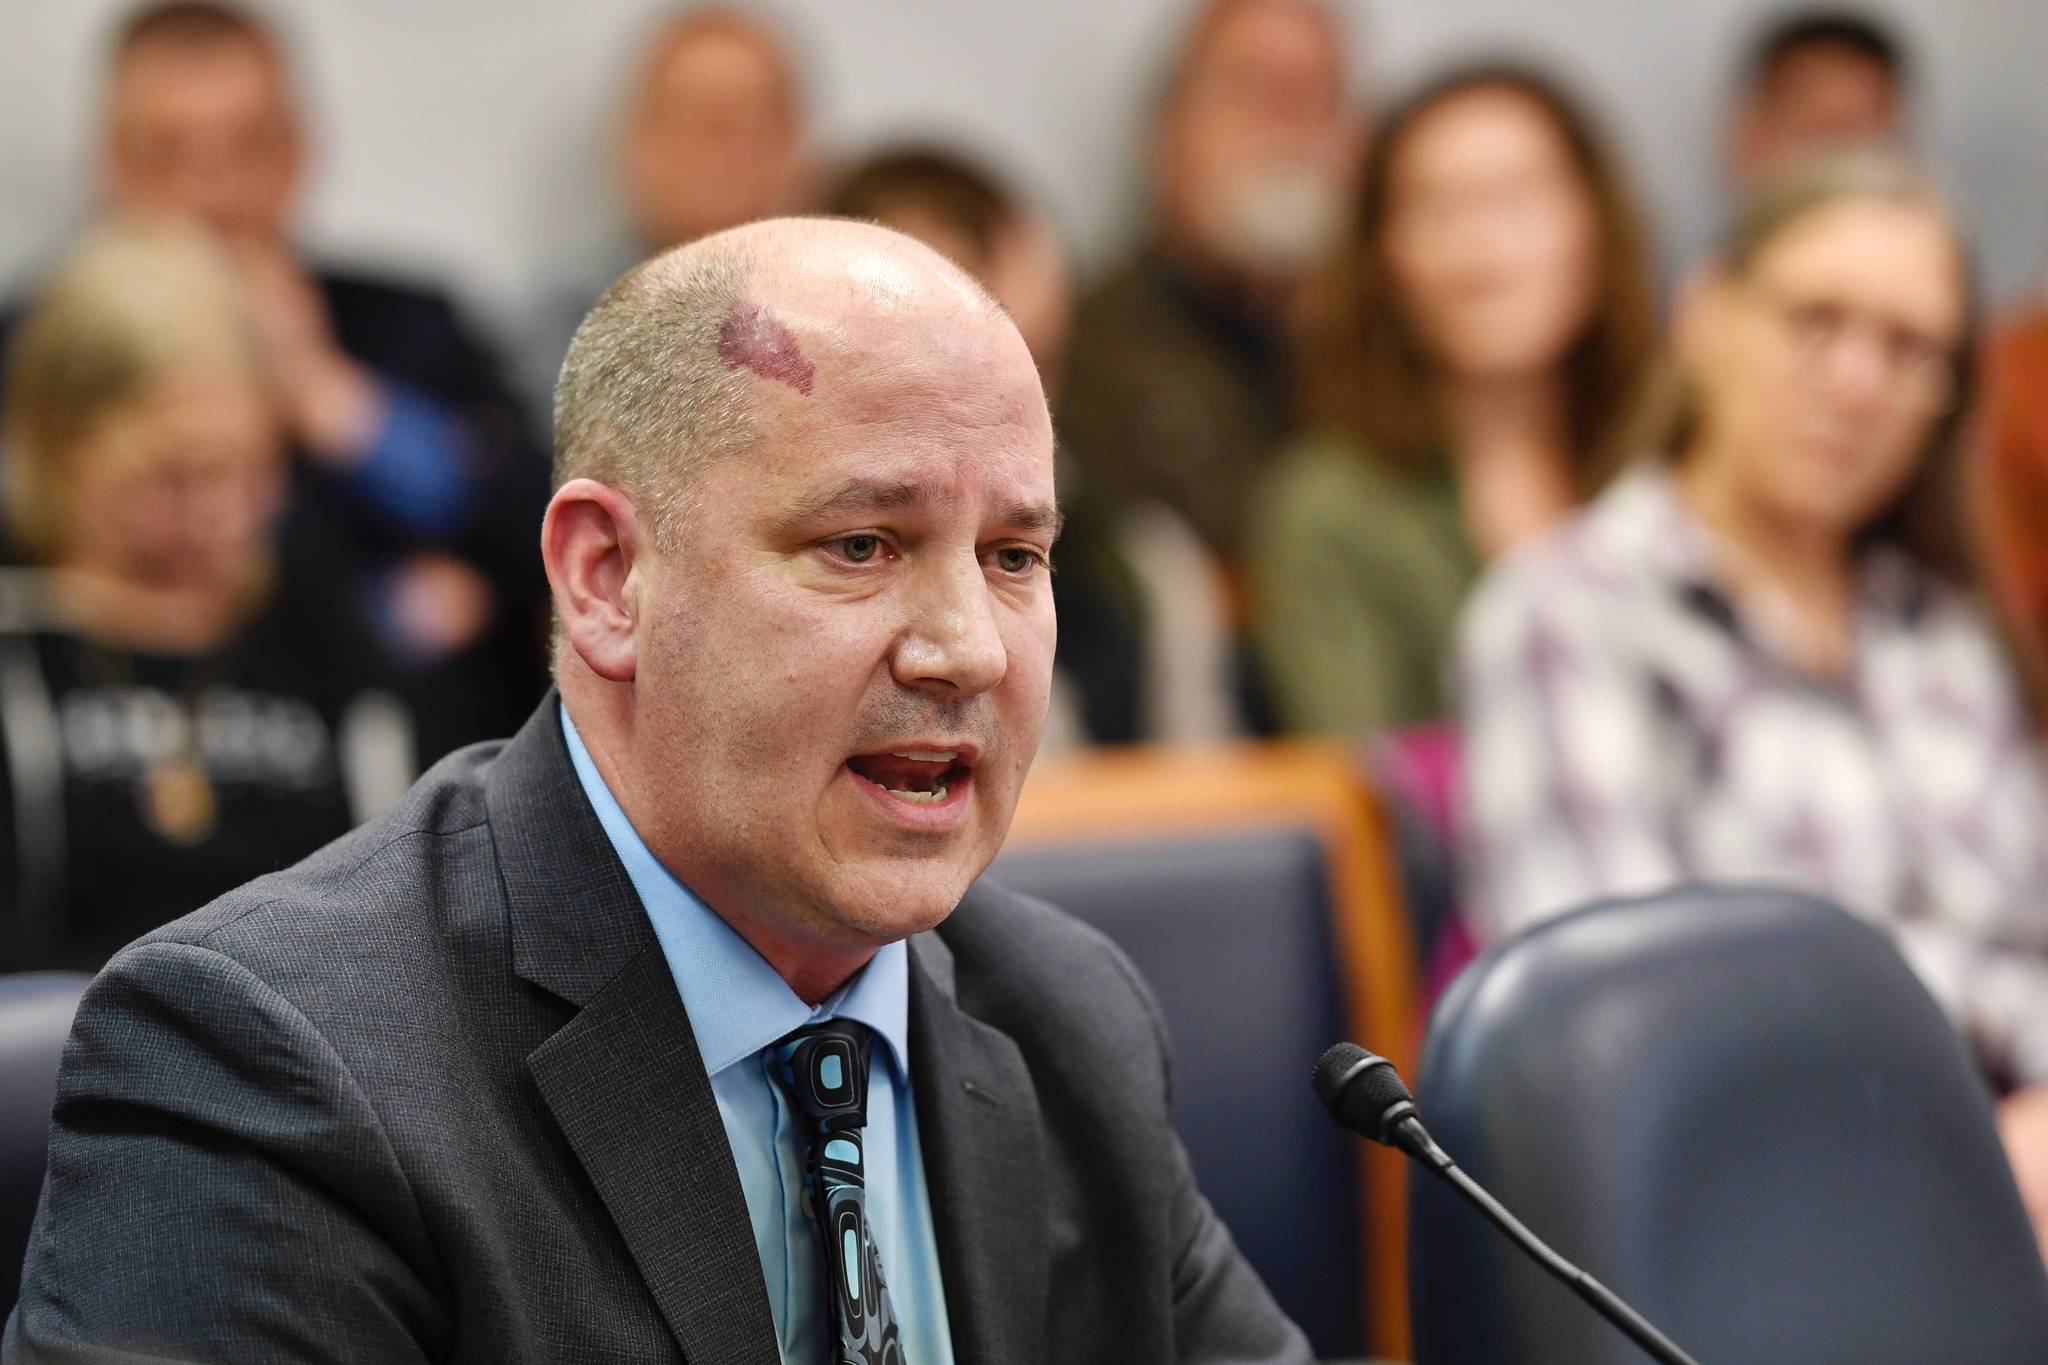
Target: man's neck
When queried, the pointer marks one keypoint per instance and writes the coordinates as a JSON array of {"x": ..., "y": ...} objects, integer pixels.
[{"x": 813, "y": 971}]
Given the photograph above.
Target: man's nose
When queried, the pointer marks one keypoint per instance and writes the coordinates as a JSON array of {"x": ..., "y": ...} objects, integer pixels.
[{"x": 951, "y": 641}]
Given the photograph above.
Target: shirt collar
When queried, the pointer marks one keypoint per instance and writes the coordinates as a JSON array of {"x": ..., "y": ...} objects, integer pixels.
[
  {"x": 1642, "y": 523},
  {"x": 736, "y": 1001}
]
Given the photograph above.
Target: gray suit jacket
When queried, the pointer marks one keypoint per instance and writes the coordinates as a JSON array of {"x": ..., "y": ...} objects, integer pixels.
[{"x": 431, "y": 1095}]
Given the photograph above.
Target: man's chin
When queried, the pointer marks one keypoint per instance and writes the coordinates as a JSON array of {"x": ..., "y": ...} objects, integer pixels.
[{"x": 884, "y": 900}]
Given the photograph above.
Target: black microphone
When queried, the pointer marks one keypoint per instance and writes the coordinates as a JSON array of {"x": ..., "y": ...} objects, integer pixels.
[{"x": 1363, "y": 1092}]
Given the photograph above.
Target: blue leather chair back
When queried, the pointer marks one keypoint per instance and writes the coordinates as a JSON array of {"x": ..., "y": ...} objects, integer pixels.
[
  {"x": 1233, "y": 933},
  {"x": 1739, "y": 1109},
  {"x": 35, "y": 1018}
]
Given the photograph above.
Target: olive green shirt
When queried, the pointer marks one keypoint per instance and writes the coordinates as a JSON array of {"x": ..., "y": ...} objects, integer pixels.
[{"x": 1358, "y": 570}]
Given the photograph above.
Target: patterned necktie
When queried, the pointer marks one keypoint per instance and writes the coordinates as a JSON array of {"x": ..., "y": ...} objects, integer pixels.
[{"x": 824, "y": 1069}]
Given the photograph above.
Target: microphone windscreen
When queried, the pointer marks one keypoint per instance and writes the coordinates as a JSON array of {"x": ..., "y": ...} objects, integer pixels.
[{"x": 1358, "y": 1087}]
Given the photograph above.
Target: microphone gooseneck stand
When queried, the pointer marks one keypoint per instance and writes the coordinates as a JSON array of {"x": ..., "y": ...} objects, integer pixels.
[
  {"x": 1365, "y": 1094},
  {"x": 1412, "y": 1138}
]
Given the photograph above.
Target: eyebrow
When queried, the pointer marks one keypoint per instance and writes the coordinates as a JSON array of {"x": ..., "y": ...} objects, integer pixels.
[{"x": 873, "y": 495}]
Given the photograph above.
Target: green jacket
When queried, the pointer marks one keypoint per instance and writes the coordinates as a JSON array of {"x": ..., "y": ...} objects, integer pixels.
[{"x": 1358, "y": 569}]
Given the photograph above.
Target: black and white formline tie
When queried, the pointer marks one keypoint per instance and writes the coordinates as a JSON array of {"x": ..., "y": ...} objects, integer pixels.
[{"x": 824, "y": 1070}]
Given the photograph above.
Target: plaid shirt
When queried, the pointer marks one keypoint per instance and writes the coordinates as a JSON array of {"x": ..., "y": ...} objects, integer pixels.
[{"x": 1627, "y": 728}]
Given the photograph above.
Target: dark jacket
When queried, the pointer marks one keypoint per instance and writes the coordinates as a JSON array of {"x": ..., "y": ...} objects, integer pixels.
[
  {"x": 431, "y": 1095},
  {"x": 136, "y": 786},
  {"x": 415, "y": 336},
  {"x": 1173, "y": 394}
]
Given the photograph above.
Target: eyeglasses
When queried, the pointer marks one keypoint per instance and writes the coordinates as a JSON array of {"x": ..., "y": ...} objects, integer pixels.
[{"x": 1919, "y": 365}]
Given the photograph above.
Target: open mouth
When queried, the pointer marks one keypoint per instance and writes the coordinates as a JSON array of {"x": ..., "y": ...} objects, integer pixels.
[{"x": 921, "y": 777}]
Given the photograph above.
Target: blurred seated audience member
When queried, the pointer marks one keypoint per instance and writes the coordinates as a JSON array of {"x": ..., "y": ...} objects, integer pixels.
[
  {"x": 714, "y": 132},
  {"x": 2011, "y": 488},
  {"x": 178, "y": 717},
  {"x": 1180, "y": 386},
  {"x": 711, "y": 135},
  {"x": 1469, "y": 363},
  {"x": 1145, "y": 648},
  {"x": 1816, "y": 80},
  {"x": 413, "y": 470},
  {"x": 962, "y": 211},
  {"x": 1754, "y": 659}
]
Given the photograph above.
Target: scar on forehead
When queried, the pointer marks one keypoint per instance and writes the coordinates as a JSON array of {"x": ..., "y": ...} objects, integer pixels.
[{"x": 753, "y": 338}]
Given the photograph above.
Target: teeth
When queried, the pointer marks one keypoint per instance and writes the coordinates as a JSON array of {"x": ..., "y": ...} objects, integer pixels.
[
  {"x": 930, "y": 798},
  {"x": 920, "y": 756}
]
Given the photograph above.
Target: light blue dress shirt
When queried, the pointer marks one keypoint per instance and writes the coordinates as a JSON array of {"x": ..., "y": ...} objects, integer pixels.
[{"x": 738, "y": 1006}]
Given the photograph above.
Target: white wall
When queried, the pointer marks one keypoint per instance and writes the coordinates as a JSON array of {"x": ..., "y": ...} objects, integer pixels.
[{"x": 465, "y": 138}]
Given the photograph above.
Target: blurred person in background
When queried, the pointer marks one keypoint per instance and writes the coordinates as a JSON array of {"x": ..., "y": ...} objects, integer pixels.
[
  {"x": 1179, "y": 386},
  {"x": 962, "y": 211},
  {"x": 1816, "y": 80},
  {"x": 179, "y": 717},
  {"x": 1755, "y": 659},
  {"x": 712, "y": 135},
  {"x": 412, "y": 473},
  {"x": 1145, "y": 646},
  {"x": 1468, "y": 365}
]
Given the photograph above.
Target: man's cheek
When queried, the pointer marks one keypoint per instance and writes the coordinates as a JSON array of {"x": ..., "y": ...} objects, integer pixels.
[
  {"x": 1032, "y": 648},
  {"x": 835, "y": 649}
]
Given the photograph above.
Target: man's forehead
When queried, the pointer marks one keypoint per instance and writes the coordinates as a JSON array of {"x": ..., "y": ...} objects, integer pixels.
[
  {"x": 727, "y": 56},
  {"x": 806, "y": 487},
  {"x": 1243, "y": 36},
  {"x": 983, "y": 487},
  {"x": 877, "y": 336},
  {"x": 710, "y": 40},
  {"x": 876, "y": 318},
  {"x": 226, "y": 52},
  {"x": 226, "y": 73},
  {"x": 753, "y": 337},
  {"x": 845, "y": 346}
]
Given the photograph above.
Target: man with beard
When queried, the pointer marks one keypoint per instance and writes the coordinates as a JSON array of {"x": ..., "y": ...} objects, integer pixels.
[{"x": 1179, "y": 385}]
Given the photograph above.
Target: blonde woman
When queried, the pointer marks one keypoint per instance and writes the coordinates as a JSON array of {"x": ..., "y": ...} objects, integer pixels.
[
  {"x": 1757, "y": 658},
  {"x": 176, "y": 716}
]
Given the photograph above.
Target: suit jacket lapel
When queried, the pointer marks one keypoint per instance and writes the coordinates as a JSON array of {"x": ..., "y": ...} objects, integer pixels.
[
  {"x": 623, "y": 1077},
  {"x": 984, "y": 1161},
  {"x": 625, "y": 1082}
]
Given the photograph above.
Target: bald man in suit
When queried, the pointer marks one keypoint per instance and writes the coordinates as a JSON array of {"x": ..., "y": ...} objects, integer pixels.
[{"x": 678, "y": 1026}]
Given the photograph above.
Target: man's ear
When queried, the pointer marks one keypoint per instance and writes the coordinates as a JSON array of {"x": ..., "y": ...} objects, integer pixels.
[{"x": 591, "y": 542}]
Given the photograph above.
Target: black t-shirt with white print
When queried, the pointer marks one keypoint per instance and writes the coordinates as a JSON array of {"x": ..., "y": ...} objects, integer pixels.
[{"x": 135, "y": 787}]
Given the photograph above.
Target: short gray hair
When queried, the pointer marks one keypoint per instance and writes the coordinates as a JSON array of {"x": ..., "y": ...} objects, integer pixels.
[{"x": 645, "y": 402}]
